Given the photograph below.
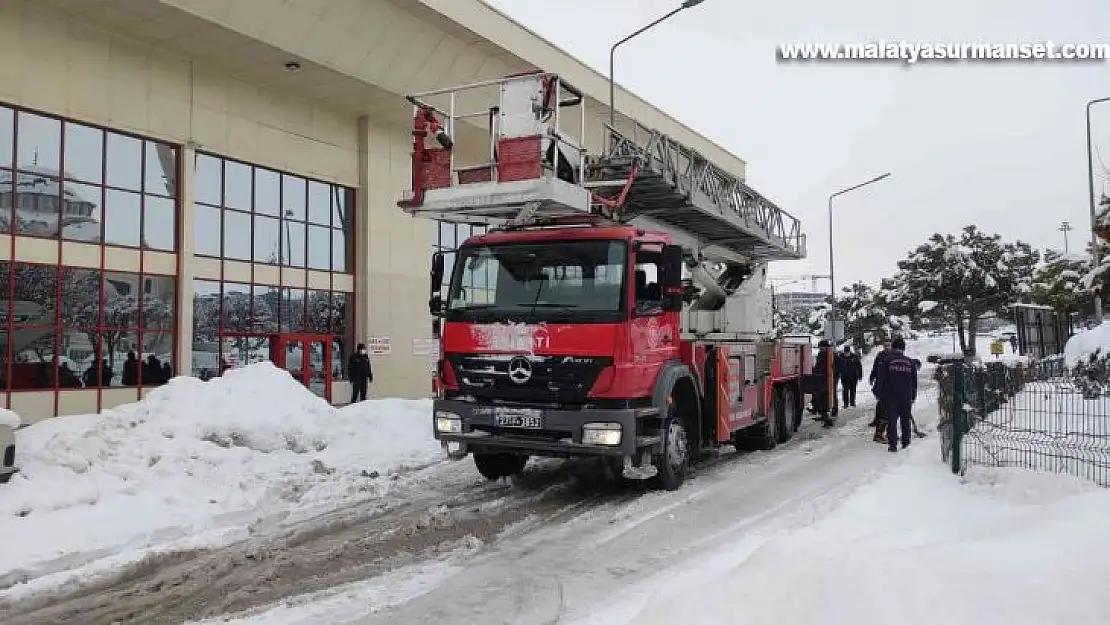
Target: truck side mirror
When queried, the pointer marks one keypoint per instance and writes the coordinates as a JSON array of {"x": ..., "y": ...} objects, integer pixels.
[
  {"x": 670, "y": 278},
  {"x": 435, "y": 301}
]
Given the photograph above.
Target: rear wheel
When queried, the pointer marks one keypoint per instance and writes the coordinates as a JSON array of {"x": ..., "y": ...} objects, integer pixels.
[
  {"x": 5, "y": 477},
  {"x": 784, "y": 416},
  {"x": 768, "y": 432},
  {"x": 498, "y": 465}
]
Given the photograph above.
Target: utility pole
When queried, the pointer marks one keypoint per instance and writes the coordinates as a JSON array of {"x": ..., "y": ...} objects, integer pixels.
[
  {"x": 1065, "y": 227},
  {"x": 832, "y": 269},
  {"x": 1096, "y": 260}
]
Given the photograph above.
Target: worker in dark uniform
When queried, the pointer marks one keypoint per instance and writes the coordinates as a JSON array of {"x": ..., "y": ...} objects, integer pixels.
[
  {"x": 896, "y": 388},
  {"x": 879, "y": 422},
  {"x": 851, "y": 371}
]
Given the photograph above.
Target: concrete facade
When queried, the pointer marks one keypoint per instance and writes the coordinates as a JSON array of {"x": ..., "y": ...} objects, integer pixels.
[{"x": 210, "y": 77}]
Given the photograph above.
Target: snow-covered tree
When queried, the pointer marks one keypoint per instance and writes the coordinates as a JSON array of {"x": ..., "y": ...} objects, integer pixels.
[
  {"x": 1057, "y": 282},
  {"x": 960, "y": 279}
]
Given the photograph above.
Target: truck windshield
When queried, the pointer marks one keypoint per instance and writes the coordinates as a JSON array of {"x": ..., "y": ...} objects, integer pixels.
[{"x": 580, "y": 281}]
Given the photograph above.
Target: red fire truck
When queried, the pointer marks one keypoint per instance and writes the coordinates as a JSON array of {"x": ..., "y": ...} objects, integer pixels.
[{"x": 617, "y": 309}]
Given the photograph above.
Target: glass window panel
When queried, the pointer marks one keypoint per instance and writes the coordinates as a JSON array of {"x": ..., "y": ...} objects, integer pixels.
[
  {"x": 319, "y": 203},
  {"x": 266, "y": 240},
  {"x": 265, "y": 308},
  {"x": 40, "y": 143},
  {"x": 338, "y": 359},
  {"x": 293, "y": 233},
  {"x": 7, "y": 196},
  {"x": 236, "y": 307},
  {"x": 158, "y": 301},
  {"x": 33, "y": 361},
  {"x": 240, "y": 351},
  {"x": 37, "y": 201},
  {"x": 293, "y": 197},
  {"x": 121, "y": 217},
  {"x": 161, "y": 169},
  {"x": 121, "y": 300},
  {"x": 124, "y": 168},
  {"x": 237, "y": 185},
  {"x": 341, "y": 309},
  {"x": 319, "y": 248},
  {"x": 122, "y": 351},
  {"x": 159, "y": 219},
  {"x": 342, "y": 203},
  {"x": 81, "y": 212},
  {"x": 158, "y": 345},
  {"x": 80, "y": 297},
  {"x": 206, "y": 323},
  {"x": 292, "y": 310},
  {"x": 341, "y": 251},
  {"x": 209, "y": 184},
  {"x": 267, "y": 192},
  {"x": 36, "y": 294},
  {"x": 237, "y": 238},
  {"x": 7, "y": 136},
  {"x": 446, "y": 234},
  {"x": 319, "y": 311},
  {"x": 84, "y": 153},
  {"x": 206, "y": 230},
  {"x": 80, "y": 363}
]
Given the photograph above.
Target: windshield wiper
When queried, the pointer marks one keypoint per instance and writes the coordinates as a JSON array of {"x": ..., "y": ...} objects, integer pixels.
[{"x": 536, "y": 305}]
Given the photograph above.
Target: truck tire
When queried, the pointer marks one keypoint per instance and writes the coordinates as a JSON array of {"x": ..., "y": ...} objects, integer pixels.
[
  {"x": 799, "y": 408},
  {"x": 5, "y": 477},
  {"x": 767, "y": 433},
  {"x": 675, "y": 458},
  {"x": 498, "y": 465},
  {"x": 784, "y": 414}
]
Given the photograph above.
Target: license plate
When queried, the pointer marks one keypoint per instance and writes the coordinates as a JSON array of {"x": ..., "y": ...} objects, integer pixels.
[{"x": 518, "y": 418}]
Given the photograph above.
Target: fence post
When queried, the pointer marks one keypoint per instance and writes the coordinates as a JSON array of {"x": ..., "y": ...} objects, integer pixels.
[{"x": 957, "y": 415}]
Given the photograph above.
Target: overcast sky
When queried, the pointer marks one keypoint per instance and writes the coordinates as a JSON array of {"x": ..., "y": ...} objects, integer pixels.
[{"x": 1000, "y": 145}]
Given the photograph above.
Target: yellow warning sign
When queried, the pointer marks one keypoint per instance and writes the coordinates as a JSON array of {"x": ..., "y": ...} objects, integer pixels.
[{"x": 997, "y": 348}]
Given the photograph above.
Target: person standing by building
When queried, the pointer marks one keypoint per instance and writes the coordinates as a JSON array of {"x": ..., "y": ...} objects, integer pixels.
[
  {"x": 360, "y": 373},
  {"x": 850, "y": 375},
  {"x": 896, "y": 389}
]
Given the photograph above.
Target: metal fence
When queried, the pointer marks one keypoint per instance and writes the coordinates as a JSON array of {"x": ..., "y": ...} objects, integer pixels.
[{"x": 1041, "y": 416}]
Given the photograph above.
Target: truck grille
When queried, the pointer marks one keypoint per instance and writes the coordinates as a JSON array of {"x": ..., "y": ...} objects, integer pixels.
[{"x": 559, "y": 379}]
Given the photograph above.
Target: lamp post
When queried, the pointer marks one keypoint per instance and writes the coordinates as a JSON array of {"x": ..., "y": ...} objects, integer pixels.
[
  {"x": 1065, "y": 227},
  {"x": 832, "y": 269},
  {"x": 687, "y": 4},
  {"x": 1091, "y": 192}
]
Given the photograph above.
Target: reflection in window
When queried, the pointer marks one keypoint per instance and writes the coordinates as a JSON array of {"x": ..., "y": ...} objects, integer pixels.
[
  {"x": 80, "y": 297},
  {"x": 124, "y": 162},
  {"x": 341, "y": 202},
  {"x": 39, "y": 143},
  {"x": 292, "y": 310},
  {"x": 341, "y": 251},
  {"x": 81, "y": 212},
  {"x": 293, "y": 190},
  {"x": 123, "y": 355},
  {"x": 294, "y": 244},
  {"x": 33, "y": 359},
  {"x": 319, "y": 248},
  {"x": 84, "y": 149},
  {"x": 266, "y": 240},
  {"x": 121, "y": 300},
  {"x": 236, "y": 307},
  {"x": 161, "y": 169},
  {"x": 122, "y": 217},
  {"x": 80, "y": 363},
  {"x": 267, "y": 192},
  {"x": 264, "y": 311},
  {"x": 209, "y": 187},
  {"x": 319, "y": 203},
  {"x": 237, "y": 245},
  {"x": 7, "y": 194},
  {"x": 36, "y": 294},
  {"x": 158, "y": 345},
  {"x": 206, "y": 324},
  {"x": 319, "y": 311},
  {"x": 206, "y": 230},
  {"x": 7, "y": 136},
  {"x": 158, "y": 297},
  {"x": 237, "y": 185},
  {"x": 158, "y": 222}
]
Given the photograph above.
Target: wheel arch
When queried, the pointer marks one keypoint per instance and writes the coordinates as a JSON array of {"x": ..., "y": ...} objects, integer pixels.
[{"x": 678, "y": 382}]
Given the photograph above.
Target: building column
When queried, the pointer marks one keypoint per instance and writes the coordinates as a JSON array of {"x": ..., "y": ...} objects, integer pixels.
[
  {"x": 362, "y": 233},
  {"x": 185, "y": 260}
]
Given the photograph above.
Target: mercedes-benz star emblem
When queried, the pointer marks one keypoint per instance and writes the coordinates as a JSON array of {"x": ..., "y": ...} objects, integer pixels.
[{"x": 520, "y": 369}]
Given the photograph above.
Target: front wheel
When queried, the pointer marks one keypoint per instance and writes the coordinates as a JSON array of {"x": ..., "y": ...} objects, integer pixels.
[
  {"x": 673, "y": 461},
  {"x": 496, "y": 466}
]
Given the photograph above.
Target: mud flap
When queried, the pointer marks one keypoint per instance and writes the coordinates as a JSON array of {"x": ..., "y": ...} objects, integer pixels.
[{"x": 645, "y": 471}]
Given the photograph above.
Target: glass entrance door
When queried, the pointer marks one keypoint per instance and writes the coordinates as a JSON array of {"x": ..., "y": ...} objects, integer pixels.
[{"x": 307, "y": 358}]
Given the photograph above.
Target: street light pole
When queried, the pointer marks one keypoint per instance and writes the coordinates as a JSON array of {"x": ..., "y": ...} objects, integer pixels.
[
  {"x": 687, "y": 4},
  {"x": 832, "y": 265},
  {"x": 1065, "y": 227},
  {"x": 1091, "y": 192}
]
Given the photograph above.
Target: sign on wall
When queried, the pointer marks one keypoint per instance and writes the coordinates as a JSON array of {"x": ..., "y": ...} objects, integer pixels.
[
  {"x": 378, "y": 346},
  {"x": 426, "y": 347}
]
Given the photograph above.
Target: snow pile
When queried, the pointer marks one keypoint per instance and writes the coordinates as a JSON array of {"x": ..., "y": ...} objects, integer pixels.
[
  {"x": 9, "y": 419},
  {"x": 916, "y": 546},
  {"x": 198, "y": 457},
  {"x": 1087, "y": 343}
]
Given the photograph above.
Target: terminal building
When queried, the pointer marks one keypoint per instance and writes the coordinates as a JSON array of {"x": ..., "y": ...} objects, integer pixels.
[{"x": 188, "y": 186}]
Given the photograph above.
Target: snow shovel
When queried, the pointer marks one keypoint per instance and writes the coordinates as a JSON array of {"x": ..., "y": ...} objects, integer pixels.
[{"x": 916, "y": 432}]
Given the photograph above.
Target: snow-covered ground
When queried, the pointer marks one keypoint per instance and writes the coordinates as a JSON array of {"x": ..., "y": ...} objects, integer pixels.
[
  {"x": 195, "y": 464},
  {"x": 1087, "y": 343}
]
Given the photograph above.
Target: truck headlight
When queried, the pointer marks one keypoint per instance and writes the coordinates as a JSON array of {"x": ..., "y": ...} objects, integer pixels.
[
  {"x": 448, "y": 422},
  {"x": 601, "y": 434}
]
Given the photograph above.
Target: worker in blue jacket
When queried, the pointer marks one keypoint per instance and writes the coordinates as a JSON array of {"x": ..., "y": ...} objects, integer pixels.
[{"x": 896, "y": 389}]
